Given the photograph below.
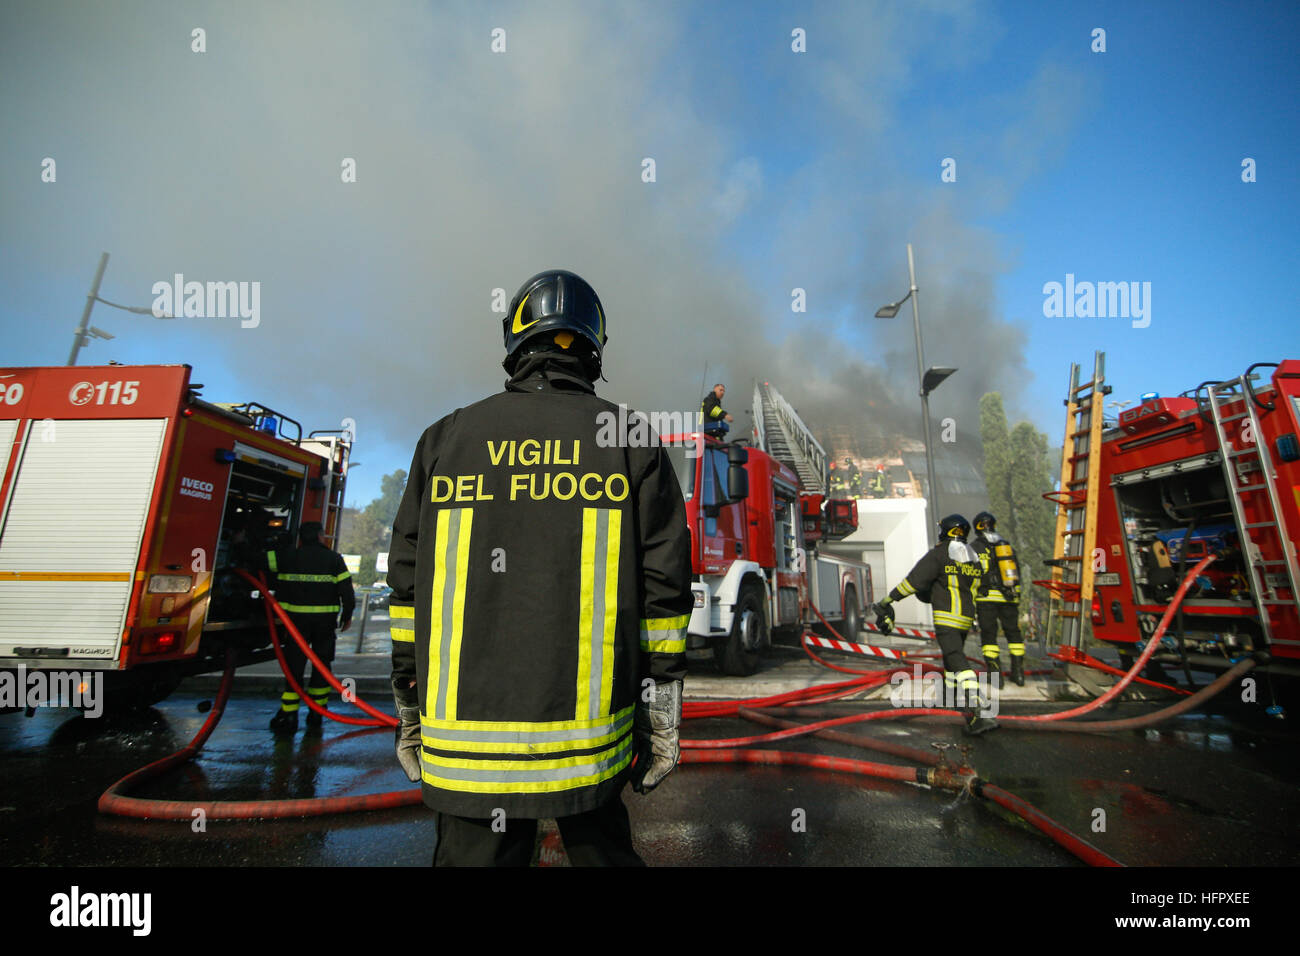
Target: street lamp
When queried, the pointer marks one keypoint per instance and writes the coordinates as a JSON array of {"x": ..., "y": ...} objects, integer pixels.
[
  {"x": 85, "y": 331},
  {"x": 929, "y": 380}
]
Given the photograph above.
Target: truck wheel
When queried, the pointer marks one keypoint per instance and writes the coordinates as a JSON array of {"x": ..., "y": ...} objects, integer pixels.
[
  {"x": 155, "y": 684},
  {"x": 852, "y": 624},
  {"x": 738, "y": 653}
]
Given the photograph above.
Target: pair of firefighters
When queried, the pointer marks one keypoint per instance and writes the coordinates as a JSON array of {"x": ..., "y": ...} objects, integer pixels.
[{"x": 961, "y": 582}]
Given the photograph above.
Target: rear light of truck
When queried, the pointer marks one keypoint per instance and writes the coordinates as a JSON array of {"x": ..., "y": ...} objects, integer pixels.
[
  {"x": 1098, "y": 617},
  {"x": 169, "y": 583},
  {"x": 162, "y": 643}
]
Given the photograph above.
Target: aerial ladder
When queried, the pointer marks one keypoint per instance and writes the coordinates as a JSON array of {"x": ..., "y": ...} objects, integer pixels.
[
  {"x": 1071, "y": 584},
  {"x": 781, "y": 433}
]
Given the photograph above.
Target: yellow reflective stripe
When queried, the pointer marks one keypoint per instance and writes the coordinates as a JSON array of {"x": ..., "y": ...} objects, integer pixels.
[
  {"x": 289, "y": 695},
  {"x": 952, "y": 620},
  {"x": 664, "y": 635},
  {"x": 906, "y": 588},
  {"x": 524, "y": 748},
  {"x": 586, "y": 611},
  {"x": 288, "y": 708},
  {"x": 314, "y": 578},
  {"x": 458, "y": 608},
  {"x": 310, "y": 608},
  {"x": 1017, "y": 650},
  {"x": 526, "y": 776},
  {"x": 270, "y": 560},
  {"x": 447, "y": 611},
  {"x": 602, "y": 530},
  {"x": 401, "y": 612},
  {"x": 526, "y": 726},
  {"x": 953, "y": 594},
  {"x": 671, "y": 646},
  {"x": 435, "y": 613},
  {"x": 665, "y": 623},
  {"x": 340, "y": 578},
  {"x": 405, "y": 635},
  {"x": 613, "y": 545}
]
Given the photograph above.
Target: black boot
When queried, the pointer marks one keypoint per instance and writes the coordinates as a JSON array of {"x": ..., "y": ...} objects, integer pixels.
[
  {"x": 975, "y": 724},
  {"x": 315, "y": 720},
  {"x": 1018, "y": 669},
  {"x": 994, "y": 665},
  {"x": 285, "y": 722}
]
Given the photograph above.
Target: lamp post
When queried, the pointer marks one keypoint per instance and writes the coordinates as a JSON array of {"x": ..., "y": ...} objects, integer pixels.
[
  {"x": 927, "y": 379},
  {"x": 85, "y": 331}
]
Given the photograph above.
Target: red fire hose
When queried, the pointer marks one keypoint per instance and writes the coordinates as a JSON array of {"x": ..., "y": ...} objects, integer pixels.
[{"x": 115, "y": 801}]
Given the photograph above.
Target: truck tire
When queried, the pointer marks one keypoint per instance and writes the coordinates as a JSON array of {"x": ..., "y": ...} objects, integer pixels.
[
  {"x": 153, "y": 684},
  {"x": 852, "y": 623},
  {"x": 738, "y": 653}
]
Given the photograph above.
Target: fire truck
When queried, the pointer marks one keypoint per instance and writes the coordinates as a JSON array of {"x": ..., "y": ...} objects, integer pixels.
[
  {"x": 757, "y": 510},
  {"x": 125, "y": 500},
  {"x": 1215, "y": 470}
]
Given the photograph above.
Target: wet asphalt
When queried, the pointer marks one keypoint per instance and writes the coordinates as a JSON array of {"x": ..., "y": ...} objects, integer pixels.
[{"x": 1218, "y": 788}]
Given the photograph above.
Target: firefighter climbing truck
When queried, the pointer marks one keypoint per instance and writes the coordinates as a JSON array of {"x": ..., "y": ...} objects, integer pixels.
[
  {"x": 125, "y": 500},
  {"x": 755, "y": 525},
  {"x": 1215, "y": 470}
]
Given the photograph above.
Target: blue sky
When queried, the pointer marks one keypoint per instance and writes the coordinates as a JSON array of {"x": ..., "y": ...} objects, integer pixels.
[{"x": 775, "y": 170}]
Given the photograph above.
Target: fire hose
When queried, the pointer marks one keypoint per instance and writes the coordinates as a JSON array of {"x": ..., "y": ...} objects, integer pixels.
[{"x": 935, "y": 773}]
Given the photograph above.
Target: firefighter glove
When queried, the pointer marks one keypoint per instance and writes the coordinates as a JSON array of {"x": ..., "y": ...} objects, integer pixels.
[
  {"x": 656, "y": 727},
  {"x": 884, "y": 612},
  {"x": 407, "y": 734}
]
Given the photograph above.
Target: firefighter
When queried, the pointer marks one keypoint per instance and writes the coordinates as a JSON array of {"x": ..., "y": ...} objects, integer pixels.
[
  {"x": 315, "y": 587},
  {"x": 877, "y": 485},
  {"x": 541, "y": 592},
  {"x": 715, "y": 416},
  {"x": 852, "y": 477},
  {"x": 947, "y": 578},
  {"x": 999, "y": 597}
]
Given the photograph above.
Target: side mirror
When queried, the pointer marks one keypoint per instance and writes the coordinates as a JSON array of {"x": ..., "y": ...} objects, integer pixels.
[{"x": 737, "y": 482}]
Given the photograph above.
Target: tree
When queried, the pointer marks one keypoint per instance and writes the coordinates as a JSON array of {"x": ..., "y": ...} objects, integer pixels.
[
  {"x": 369, "y": 531},
  {"x": 1030, "y": 478},
  {"x": 997, "y": 462}
]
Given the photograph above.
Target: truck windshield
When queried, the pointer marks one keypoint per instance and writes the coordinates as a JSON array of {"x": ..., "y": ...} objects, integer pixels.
[{"x": 684, "y": 466}]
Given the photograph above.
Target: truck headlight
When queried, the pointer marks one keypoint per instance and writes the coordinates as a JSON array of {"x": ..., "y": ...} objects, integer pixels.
[
  {"x": 169, "y": 583},
  {"x": 699, "y": 598}
]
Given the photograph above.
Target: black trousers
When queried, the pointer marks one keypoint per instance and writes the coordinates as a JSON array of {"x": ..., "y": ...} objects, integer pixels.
[
  {"x": 952, "y": 643},
  {"x": 993, "y": 613},
  {"x": 600, "y": 837},
  {"x": 318, "y": 631}
]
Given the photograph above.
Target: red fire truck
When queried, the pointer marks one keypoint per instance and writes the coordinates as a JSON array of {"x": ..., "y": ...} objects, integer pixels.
[
  {"x": 1215, "y": 470},
  {"x": 125, "y": 499},
  {"x": 755, "y": 526}
]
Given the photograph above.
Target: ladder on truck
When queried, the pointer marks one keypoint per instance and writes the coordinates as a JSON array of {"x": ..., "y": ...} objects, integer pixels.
[
  {"x": 1266, "y": 545},
  {"x": 1071, "y": 584},
  {"x": 782, "y": 434},
  {"x": 335, "y": 447}
]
